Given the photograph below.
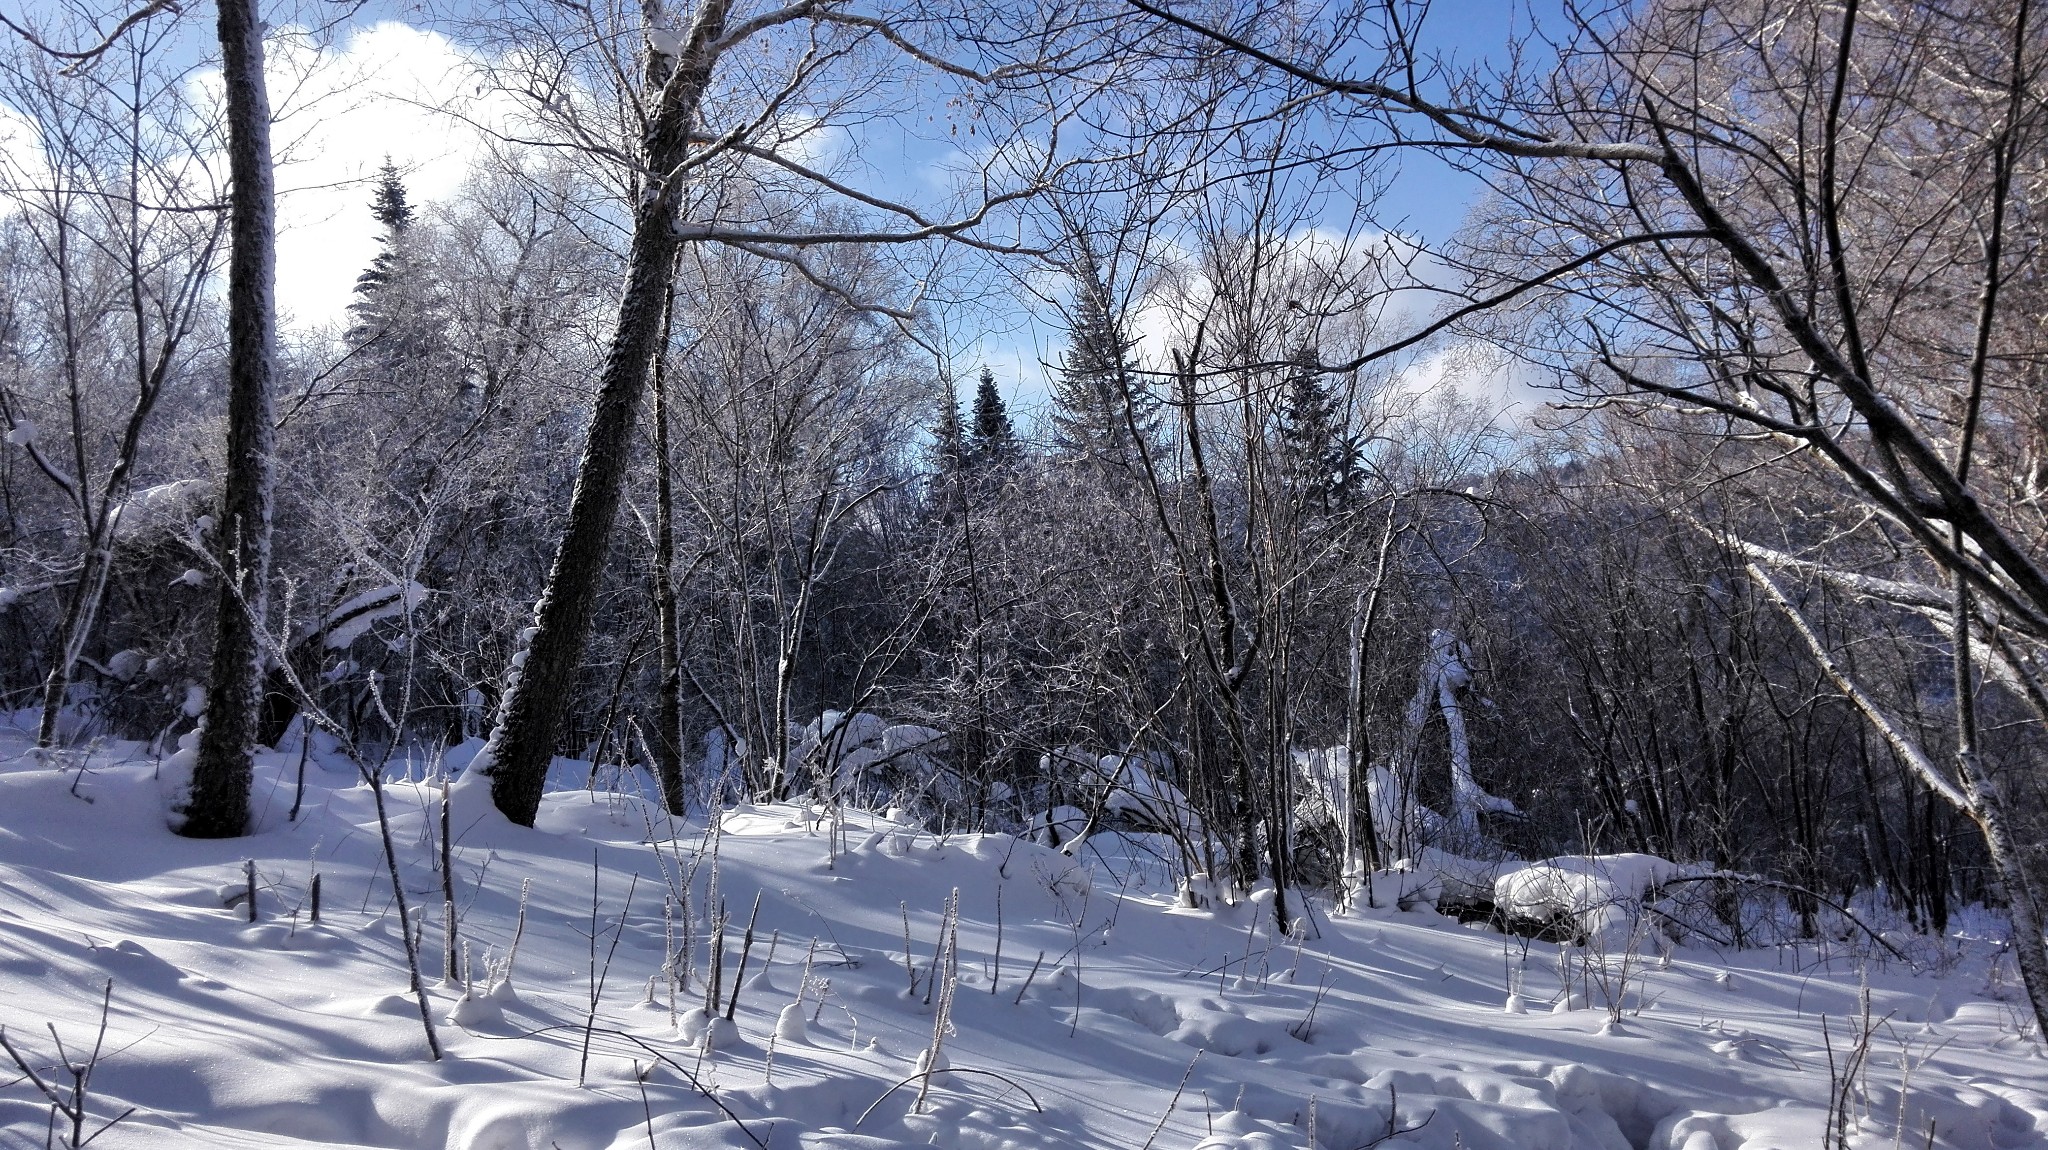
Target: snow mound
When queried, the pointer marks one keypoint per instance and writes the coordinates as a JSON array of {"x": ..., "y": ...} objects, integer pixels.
[
  {"x": 167, "y": 508},
  {"x": 1602, "y": 894}
]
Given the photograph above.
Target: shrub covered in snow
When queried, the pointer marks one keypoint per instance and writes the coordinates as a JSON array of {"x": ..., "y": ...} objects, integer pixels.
[{"x": 1601, "y": 896}]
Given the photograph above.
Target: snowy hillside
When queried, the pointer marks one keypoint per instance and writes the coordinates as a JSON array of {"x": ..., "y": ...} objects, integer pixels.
[{"x": 1085, "y": 1008}]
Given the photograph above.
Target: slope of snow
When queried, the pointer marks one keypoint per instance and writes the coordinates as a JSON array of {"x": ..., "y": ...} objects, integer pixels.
[{"x": 1383, "y": 1028}]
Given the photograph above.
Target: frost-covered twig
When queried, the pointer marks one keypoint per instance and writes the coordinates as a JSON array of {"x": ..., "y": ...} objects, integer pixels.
[
  {"x": 1039, "y": 961},
  {"x": 1177, "y": 1091},
  {"x": 598, "y": 974},
  {"x": 70, "y": 1103},
  {"x": 746, "y": 948},
  {"x": 654, "y": 1052}
]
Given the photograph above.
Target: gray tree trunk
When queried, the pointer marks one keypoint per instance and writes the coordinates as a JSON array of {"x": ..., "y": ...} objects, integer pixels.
[
  {"x": 668, "y": 741},
  {"x": 219, "y": 803},
  {"x": 541, "y": 682}
]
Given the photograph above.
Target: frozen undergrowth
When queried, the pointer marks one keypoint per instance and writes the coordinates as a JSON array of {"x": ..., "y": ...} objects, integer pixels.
[{"x": 1386, "y": 1029}]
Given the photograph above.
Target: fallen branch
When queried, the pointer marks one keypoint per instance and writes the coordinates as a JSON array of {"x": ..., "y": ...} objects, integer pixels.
[{"x": 1794, "y": 888}]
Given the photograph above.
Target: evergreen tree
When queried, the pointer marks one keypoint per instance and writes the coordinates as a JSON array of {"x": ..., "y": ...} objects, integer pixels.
[
  {"x": 948, "y": 454},
  {"x": 1319, "y": 456},
  {"x": 1095, "y": 390},
  {"x": 992, "y": 440},
  {"x": 949, "y": 450},
  {"x": 399, "y": 328},
  {"x": 389, "y": 204},
  {"x": 371, "y": 307}
]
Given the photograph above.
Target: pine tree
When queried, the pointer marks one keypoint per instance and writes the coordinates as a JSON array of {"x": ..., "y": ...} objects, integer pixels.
[
  {"x": 992, "y": 440},
  {"x": 1097, "y": 398}
]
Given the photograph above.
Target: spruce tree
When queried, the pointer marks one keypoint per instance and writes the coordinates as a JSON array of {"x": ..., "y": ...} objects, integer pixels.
[
  {"x": 398, "y": 331},
  {"x": 949, "y": 450},
  {"x": 1097, "y": 398},
  {"x": 371, "y": 308},
  {"x": 992, "y": 439},
  {"x": 1318, "y": 455},
  {"x": 946, "y": 460}
]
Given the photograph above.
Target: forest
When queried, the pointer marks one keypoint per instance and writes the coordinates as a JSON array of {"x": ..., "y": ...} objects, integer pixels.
[{"x": 1685, "y": 499}]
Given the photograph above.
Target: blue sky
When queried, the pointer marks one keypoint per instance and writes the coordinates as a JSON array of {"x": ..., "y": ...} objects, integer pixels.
[
  {"x": 1432, "y": 196},
  {"x": 369, "y": 90}
]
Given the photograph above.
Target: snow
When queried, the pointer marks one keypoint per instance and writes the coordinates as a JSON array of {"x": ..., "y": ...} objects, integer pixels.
[
  {"x": 853, "y": 751},
  {"x": 22, "y": 434},
  {"x": 664, "y": 41},
  {"x": 1388, "y": 1027},
  {"x": 351, "y": 620},
  {"x": 1327, "y": 774},
  {"x": 1445, "y": 674},
  {"x": 126, "y": 663},
  {"x": 1133, "y": 788},
  {"x": 167, "y": 508},
  {"x": 1603, "y": 894}
]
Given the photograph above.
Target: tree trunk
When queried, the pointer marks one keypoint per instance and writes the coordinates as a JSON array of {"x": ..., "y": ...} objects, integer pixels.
[
  {"x": 2030, "y": 953},
  {"x": 668, "y": 740},
  {"x": 1985, "y": 805},
  {"x": 218, "y": 806},
  {"x": 69, "y": 642},
  {"x": 1363, "y": 833},
  {"x": 540, "y": 683}
]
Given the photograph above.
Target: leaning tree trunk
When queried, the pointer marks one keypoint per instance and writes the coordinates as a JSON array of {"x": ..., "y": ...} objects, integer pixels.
[
  {"x": 1985, "y": 806},
  {"x": 544, "y": 671},
  {"x": 80, "y": 612},
  {"x": 1971, "y": 792},
  {"x": 218, "y": 806}
]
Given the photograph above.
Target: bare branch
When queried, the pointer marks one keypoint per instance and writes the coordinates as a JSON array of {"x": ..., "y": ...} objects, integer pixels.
[{"x": 85, "y": 56}]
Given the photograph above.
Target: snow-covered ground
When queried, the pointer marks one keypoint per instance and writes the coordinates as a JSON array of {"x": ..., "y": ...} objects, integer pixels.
[{"x": 1144, "y": 1026}]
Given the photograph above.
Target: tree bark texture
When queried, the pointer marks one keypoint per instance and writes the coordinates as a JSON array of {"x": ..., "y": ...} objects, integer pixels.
[
  {"x": 219, "y": 802},
  {"x": 541, "y": 682},
  {"x": 668, "y": 742}
]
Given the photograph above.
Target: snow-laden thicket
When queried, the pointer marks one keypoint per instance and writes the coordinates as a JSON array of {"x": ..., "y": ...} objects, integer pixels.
[
  {"x": 1601, "y": 895},
  {"x": 1065, "y": 999}
]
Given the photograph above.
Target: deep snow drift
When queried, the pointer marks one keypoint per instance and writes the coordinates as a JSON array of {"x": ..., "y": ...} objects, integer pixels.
[{"x": 1142, "y": 1025}]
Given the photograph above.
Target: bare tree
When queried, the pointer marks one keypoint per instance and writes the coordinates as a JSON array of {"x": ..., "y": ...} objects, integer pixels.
[
  {"x": 670, "y": 145},
  {"x": 1739, "y": 210},
  {"x": 121, "y": 186}
]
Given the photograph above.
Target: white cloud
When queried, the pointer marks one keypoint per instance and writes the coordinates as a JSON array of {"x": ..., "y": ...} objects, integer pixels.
[
  {"x": 21, "y": 146},
  {"x": 1369, "y": 289},
  {"x": 1483, "y": 377},
  {"x": 340, "y": 113}
]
